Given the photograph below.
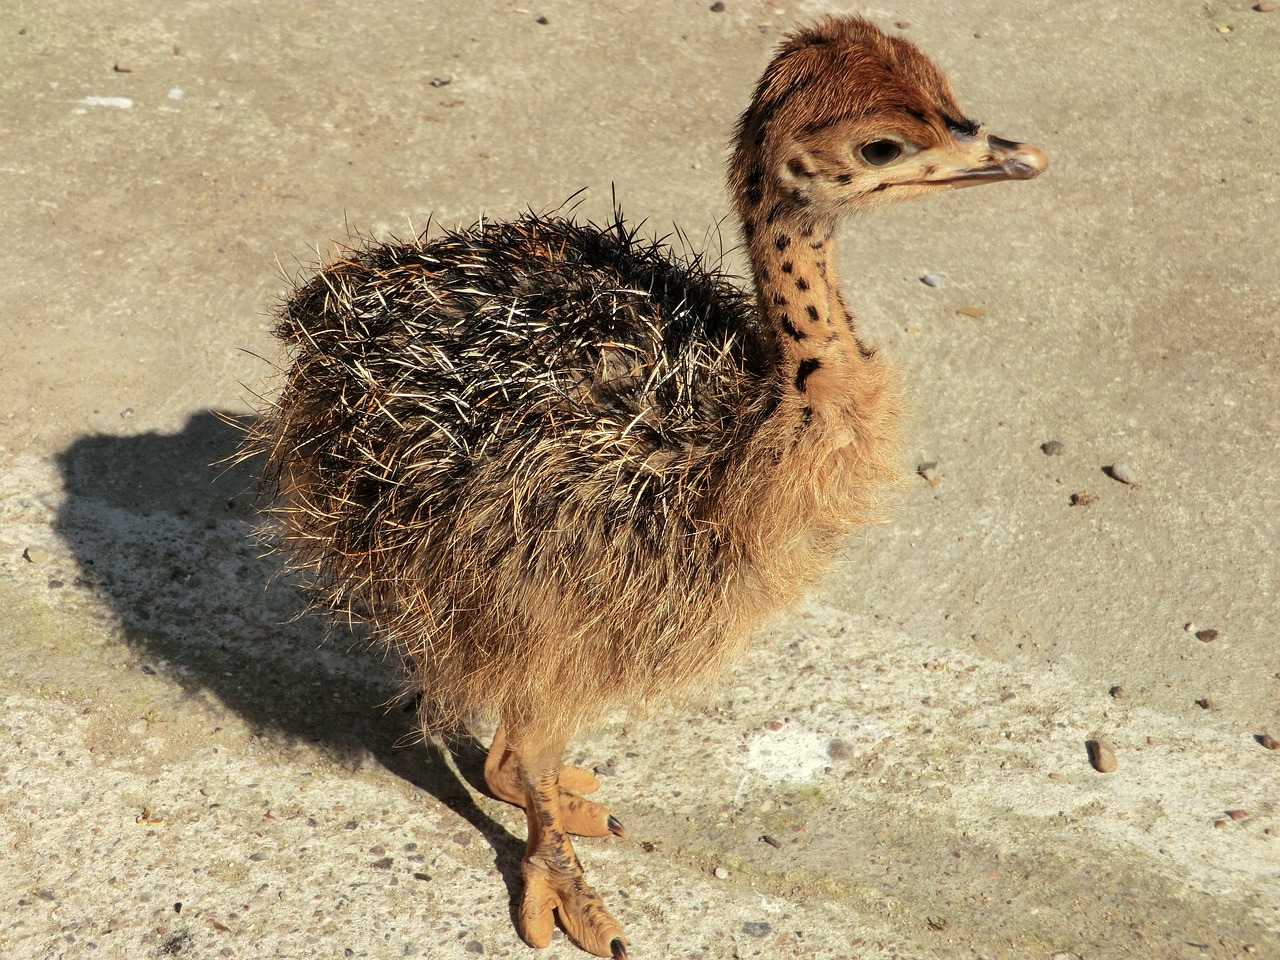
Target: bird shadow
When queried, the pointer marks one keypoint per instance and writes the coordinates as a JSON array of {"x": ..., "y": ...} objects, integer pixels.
[{"x": 165, "y": 539}]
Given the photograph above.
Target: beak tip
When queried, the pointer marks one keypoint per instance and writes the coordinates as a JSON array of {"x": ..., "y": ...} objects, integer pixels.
[
  {"x": 1030, "y": 162},
  {"x": 1018, "y": 161}
]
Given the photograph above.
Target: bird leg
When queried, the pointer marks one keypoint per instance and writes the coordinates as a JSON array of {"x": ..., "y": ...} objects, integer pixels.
[
  {"x": 553, "y": 882},
  {"x": 582, "y": 818}
]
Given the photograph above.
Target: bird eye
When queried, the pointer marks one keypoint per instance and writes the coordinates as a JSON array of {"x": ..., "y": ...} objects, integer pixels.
[{"x": 879, "y": 152}]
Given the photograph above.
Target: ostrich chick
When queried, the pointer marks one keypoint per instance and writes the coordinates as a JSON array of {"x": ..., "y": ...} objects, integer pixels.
[{"x": 559, "y": 469}]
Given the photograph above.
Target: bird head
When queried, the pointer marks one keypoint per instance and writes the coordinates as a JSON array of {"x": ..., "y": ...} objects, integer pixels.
[{"x": 848, "y": 117}]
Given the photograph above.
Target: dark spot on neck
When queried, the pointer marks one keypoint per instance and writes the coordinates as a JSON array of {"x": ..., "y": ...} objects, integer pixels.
[
  {"x": 806, "y": 417},
  {"x": 813, "y": 312},
  {"x": 805, "y": 370},
  {"x": 802, "y": 283},
  {"x": 787, "y": 266},
  {"x": 779, "y": 300},
  {"x": 775, "y": 210},
  {"x": 782, "y": 241},
  {"x": 842, "y": 177},
  {"x": 748, "y": 228},
  {"x": 791, "y": 330}
]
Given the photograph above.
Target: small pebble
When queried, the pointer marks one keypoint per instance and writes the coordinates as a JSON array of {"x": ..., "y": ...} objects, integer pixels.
[
  {"x": 722, "y": 873},
  {"x": 758, "y": 928},
  {"x": 1084, "y": 499},
  {"x": 972, "y": 312},
  {"x": 771, "y": 840},
  {"x": 1266, "y": 6},
  {"x": 1219, "y": 824},
  {"x": 1121, "y": 471},
  {"x": 1101, "y": 756},
  {"x": 1204, "y": 703},
  {"x": 1052, "y": 448},
  {"x": 383, "y": 864},
  {"x": 1268, "y": 741},
  {"x": 1118, "y": 692},
  {"x": 542, "y": 20},
  {"x": 35, "y": 555},
  {"x": 441, "y": 81},
  {"x": 1237, "y": 814},
  {"x": 931, "y": 280},
  {"x": 124, "y": 66},
  {"x": 929, "y": 471},
  {"x": 717, "y": 7},
  {"x": 839, "y": 750},
  {"x": 1208, "y": 636}
]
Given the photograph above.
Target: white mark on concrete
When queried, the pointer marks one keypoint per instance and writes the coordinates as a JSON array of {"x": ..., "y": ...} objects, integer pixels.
[
  {"x": 789, "y": 753},
  {"x": 175, "y": 93},
  {"x": 123, "y": 103}
]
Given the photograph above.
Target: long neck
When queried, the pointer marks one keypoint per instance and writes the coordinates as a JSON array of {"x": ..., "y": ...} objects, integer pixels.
[{"x": 793, "y": 264}]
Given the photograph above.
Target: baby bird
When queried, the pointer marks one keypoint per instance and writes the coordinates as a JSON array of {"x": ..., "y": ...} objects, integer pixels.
[{"x": 558, "y": 469}]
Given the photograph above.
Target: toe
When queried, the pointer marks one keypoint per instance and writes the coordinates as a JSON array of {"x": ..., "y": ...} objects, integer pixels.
[
  {"x": 583, "y": 915},
  {"x": 578, "y": 780},
  {"x": 583, "y": 818},
  {"x": 538, "y": 904}
]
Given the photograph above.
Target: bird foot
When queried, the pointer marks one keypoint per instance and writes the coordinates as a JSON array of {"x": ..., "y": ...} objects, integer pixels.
[
  {"x": 551, "y": 892},
  {"x": 582, "y": 818}
]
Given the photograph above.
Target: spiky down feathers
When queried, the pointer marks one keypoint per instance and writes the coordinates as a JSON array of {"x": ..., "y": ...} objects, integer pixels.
[{"x": 552, "y": 465}]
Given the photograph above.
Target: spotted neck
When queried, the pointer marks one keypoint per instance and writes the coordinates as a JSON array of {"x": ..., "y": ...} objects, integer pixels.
[{"x": 793, "y": 264}]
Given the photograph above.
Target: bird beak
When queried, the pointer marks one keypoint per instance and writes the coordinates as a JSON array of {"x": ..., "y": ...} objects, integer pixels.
[{"x": 990, "y": 159}]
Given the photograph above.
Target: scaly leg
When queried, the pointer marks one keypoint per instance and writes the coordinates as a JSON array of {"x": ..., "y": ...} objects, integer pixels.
[
  {"x": 553, "y": 881},
  {"x": 582, "y": 818}
]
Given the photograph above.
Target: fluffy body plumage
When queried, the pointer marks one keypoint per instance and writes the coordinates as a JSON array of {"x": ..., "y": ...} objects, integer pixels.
[{"x": 547, "y": 462}]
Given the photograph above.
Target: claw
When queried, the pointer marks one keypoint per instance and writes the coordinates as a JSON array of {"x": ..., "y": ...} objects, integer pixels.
[
  {"x": 618, "y": 830},
  {"x": 618, "y": 948}
]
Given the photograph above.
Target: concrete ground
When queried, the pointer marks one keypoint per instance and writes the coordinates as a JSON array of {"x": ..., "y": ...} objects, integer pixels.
[{"x": 900, "y": 770}]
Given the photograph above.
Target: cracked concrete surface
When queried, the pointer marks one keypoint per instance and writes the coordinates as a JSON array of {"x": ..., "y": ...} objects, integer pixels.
[{"x": 899, "y": 770}]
